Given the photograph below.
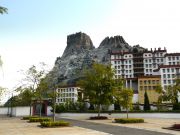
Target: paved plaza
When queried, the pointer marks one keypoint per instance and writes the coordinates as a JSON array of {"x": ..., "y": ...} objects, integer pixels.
[{"x": 16, "y": 126}]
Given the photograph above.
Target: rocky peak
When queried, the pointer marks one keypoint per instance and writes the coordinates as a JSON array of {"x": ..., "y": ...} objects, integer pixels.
[
  {"x": 117, "y": 42},
  {"x": 77, "y": 43}
]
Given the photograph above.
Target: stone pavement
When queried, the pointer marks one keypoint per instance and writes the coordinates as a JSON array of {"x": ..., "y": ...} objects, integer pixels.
[
  {"x": 15, "y": 126},
  {"x": 151, "y": 124},
  {"x": 112, "y": 128}
]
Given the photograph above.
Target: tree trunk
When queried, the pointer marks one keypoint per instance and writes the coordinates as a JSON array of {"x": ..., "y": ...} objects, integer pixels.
[
  {"x": 30, "y": 110},
  {"x": 40, "y": 108},
  {"x": 99, "y": 110},
  {"x": 54, "y": 110},
  {"x": 127, "y": 113}
]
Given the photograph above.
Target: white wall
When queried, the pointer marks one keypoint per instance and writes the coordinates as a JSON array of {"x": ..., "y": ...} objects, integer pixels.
[
  {"x": 21, "y": 111},
  {"x": 135, "y": 98},
  {"x": 3, "y": 110},
  {"x": 49, "y": 108}
]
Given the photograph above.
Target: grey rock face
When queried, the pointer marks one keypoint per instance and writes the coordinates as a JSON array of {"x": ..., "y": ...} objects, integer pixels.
[
  {"x": 78, "y": 43},
  {"x": 80, "y": 54}
]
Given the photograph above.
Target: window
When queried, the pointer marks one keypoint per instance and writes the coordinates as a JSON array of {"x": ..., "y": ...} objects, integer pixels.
[
  {"x": 168, "y": 75},
  {"x": 114, "y": 62},
  {"x": 177, "y": 58},
  {"x": 168, "y": 70},
  {"x": 172, "y": 70},
  {"x": 169, "y": 58},
  {"x": 140, "y": 82},
  {"x": 164, "y": 81},
  {"x": 169, "y": 81}
]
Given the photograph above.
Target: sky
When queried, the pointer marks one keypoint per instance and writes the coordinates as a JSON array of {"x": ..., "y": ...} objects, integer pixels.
[{"x": 35, "y": 31}]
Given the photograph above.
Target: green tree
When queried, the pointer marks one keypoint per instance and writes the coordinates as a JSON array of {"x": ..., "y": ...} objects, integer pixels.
[
  {"x": 98, "y": 85},
  {"x": 146, "y": 102},
  {"x": 125, "y": 97},
  {"x": 34, "y": 81},
  {"x": 3, "y": 10},
  {"x": 41, "y": 92},
  {"x": 160, "y": 91},
  {"x": 2, "y": 90}
]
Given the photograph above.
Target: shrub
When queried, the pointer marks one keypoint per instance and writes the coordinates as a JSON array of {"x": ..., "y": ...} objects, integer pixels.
[
  {"x": 176, "y": 106},
  {"x": 54, "y": 124},
  {"x": 98, "y": 118},
  {"x": 28, "y": 117},
  {"x": 129, "y": 120},
  {"x": 39, "y": 119},
  {"x": 176, "y": 126}
]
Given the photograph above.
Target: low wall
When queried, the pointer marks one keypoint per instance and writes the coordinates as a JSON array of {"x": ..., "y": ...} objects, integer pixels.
[
  {"x": 3, "y": 110},
  {"x": 119, "y": 115},
  {"x": 20, "y": 111}
]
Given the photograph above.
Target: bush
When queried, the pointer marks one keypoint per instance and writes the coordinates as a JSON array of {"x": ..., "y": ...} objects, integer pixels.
[
  {"x": 98, "y": 118},
  {"x": 176, "y": 106},
  {"x": 28, "y": 117},
  {"x": 129, "y": 120},
  {"x": 54, "y": 124},
  {"x": 176, "y": 126},
  {"x": 39, "y": 119}
]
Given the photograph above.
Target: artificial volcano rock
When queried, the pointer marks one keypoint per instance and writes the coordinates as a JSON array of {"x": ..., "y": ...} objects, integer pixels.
[
  {"x": 116, "y": 42},
  {"x": 80, "y": 54},
  {"x": 78, "y": 43}
]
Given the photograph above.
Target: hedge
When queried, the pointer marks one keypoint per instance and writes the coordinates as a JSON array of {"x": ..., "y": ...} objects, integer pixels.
[
  {"x": 55, "y": 124},
  {"x": 129, "y": 120},
  {"x": 39, "y": 119},
  {"x": 98, "y": 118},
  {"x": 28, "y": 117}
]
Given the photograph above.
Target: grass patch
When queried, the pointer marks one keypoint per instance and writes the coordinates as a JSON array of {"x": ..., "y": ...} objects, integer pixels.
[
  {"x": 39, "y": 119},
  {"x": 98, "y": 118},
  {"x": 55, "y": 124},
  {"x": 28, "y": 117},
  {"x": 129, "y": 120}
]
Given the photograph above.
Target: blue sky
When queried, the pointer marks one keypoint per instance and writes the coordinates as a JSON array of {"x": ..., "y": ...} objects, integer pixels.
[{"x": 35, "y": 31}]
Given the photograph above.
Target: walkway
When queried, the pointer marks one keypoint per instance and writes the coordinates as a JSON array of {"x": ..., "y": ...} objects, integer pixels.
[{"x": 111, "y": 129}]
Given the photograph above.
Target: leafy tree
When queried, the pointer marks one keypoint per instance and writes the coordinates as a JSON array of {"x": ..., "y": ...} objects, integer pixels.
[
  {"x": 146, "y": 102},
  {"x": 125, "y": 97},
  {"x": 3, "y": 10},
  {"x": 22, "y": 99},
  {"x": 34, "y": 81},
  {"x": 2, "y": 90},
  {"x": 41, "y": 91},
  {"x": 98, "y": 85},
  {"x": 161, "y": 97}
]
